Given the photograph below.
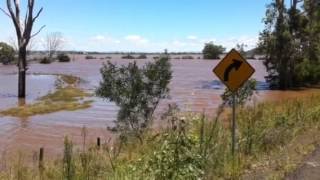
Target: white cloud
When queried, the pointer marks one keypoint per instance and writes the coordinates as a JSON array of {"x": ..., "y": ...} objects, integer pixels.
[
  {"x": 192, "y": 43},
  {"x": 191, "y": 37},
  {"x": 177, "y": 43},
  {"x": 231, "y": 42},
  {"x": 98, "y": 38},
  {"x": 103, "y": 39},
  {"x": 136, "y": 39}
]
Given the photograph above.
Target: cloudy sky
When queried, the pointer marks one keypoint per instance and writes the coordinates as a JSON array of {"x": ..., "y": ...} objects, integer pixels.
[{"x": 146, "y": 25}]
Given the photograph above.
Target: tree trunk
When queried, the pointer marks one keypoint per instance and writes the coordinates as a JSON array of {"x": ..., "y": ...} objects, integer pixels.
[{"x": 22, "y": 66}]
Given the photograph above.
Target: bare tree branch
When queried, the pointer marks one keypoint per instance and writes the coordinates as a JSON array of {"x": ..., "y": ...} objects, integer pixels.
[
  {"x": 38, "y": 14},
  {"x": 15, "y": 19},
  {"x": 38, "y": 31},
  {"x": 53, "y": 42},
  {"x": 26, "y": 16},
  {"x": 17, "y": 7},
  {"x": 5, "y": 12}
]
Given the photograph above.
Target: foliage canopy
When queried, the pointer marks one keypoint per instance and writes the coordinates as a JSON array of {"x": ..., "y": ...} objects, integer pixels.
[
  {"x": 7, "y": 53},
  {"x": 291, "y": 42},
  {"x": 212, "y": 51},
  {"x": 137, "y": 91}
]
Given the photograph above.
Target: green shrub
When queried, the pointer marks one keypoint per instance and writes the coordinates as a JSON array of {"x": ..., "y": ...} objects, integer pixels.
[
  {"x": 142, "y": 56},
  {"x": 243, "y": 95},
  {"x": 177, "y": 157},
  {"x": 128, "y": 56},
  {"x": 6, "y": 53},
  {"x": 187, "y": 57},
  {"x": 308, "y": 71},
  {"x": 63, "y": 58},
  {"x": 137, "y": 91},
  {"x": 90, "y": 57},
  {"x": 212, "y": 51},
  {"x": 191, "y": 147},
  {"x": 45, "y": 60}
]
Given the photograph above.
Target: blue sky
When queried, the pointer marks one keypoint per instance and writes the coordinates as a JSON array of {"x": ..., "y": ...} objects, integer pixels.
[{"x": 146, "y": 25}]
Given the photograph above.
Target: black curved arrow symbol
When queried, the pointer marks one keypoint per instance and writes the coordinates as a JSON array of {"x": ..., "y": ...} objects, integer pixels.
[{"x": 235, "y": 65}]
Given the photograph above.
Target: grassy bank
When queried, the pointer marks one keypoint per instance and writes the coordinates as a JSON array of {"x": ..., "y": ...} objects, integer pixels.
[
  {"x": 66, "y": 97},
  {"x": 273, "y": 139}
]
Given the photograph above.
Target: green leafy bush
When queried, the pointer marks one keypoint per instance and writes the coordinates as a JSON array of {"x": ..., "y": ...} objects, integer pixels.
[
  {"x": 212, "y": 51},
  {"x": 63, "y": 58},
  {"x": 6, "y": 53},
  {"x": 243, "y": 95},
  {"x": 90, "y": 57},
  {"x": 137, "y": 91},
  {"x": 128, "y": 56},
  {"x": 187, "y": 57},
  {"x": 45, "y": 60},
  {"x": 142, "y": 56},
  {"x": 307, "y": 71}
]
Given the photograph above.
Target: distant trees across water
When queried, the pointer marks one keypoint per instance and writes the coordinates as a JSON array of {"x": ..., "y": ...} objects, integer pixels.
[{"x": 212, "y": 51}]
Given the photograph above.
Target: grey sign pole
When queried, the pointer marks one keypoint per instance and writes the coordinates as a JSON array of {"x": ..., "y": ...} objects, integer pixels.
[
  {"x": 233, "y": 124},
  {"x": 233, "y": 132}
]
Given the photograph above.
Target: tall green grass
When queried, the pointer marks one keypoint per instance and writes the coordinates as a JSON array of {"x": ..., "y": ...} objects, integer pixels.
[{"x": 189, "y": 147}]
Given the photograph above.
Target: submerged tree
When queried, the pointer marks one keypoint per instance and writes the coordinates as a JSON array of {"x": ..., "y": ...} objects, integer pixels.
[
  {"x": 291, "y": 42},
  {"x": 53, "y": 43},
  {"x": 276, "y": 42},
  {"x": 137, "y": 91},
  {"x": 24, "y": 34},
  {"x": 241, "y": 49},
  {"x": 212, "y": 51}
]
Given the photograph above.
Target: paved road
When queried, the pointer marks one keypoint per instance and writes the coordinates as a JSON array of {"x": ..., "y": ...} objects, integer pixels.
[{"x": 310, "y": 169}]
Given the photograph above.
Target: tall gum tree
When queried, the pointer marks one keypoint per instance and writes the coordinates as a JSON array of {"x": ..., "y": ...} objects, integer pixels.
[{"x": 24, "y": 34}]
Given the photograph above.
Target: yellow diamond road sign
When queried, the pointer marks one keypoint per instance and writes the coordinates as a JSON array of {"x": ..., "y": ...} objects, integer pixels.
[{"x": 233, "y": 70}]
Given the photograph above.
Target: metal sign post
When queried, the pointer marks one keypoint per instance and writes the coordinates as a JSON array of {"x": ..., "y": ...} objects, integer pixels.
[
  {"x": 234, "y": 125},
  {"x": 233, "y": 70}
]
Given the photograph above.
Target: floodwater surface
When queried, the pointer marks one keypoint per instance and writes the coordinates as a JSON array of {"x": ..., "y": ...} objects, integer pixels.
[{"x": 193, "y": 88}]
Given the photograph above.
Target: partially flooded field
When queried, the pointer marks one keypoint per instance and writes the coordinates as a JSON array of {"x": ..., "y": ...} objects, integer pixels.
[{"x": 193, "y": 88}]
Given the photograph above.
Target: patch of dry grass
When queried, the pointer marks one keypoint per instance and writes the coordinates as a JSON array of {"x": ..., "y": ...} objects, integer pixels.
[
  {"x": 69, "y": 79},
  {"x": 68, "y": 98}
]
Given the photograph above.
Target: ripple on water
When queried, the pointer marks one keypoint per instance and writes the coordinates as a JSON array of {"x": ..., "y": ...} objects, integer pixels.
[{"x": 218, "y": 85}]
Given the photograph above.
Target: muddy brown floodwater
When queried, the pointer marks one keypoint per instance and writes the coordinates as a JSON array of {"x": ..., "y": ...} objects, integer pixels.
[{"x": 193, "y": 88}]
